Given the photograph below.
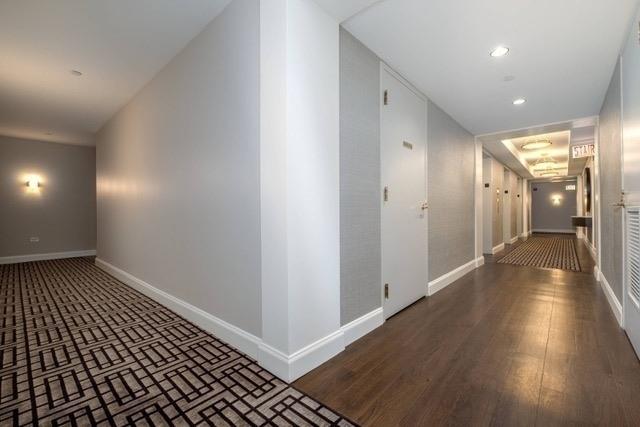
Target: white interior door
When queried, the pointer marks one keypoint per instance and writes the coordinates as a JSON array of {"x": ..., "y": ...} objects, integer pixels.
[
  {"x": 506, "y": 207},
  {"x": 403, "y": 152},
  {"x": 631, "y": 186}
]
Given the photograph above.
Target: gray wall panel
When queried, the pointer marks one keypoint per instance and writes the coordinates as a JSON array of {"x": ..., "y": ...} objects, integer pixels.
[
  {"x": 611, "y": 184},
  {"x": 451, "y": 151},
  {"x": 547, "y": 216},
  {"x": 451, "y": 155},
  {"x": 178, "y": 174},
  {"x": 62, "y": 214},
  {"x": 360, "y": 290}
]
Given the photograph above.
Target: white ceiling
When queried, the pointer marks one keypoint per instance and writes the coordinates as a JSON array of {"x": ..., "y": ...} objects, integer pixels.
[
  {"x": 344, "y": 9},
  {"x": 562, "y": 56},
  {"x": 119, "y": 45}
]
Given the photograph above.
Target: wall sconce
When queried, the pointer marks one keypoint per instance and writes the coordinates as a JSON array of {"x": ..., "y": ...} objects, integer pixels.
[
  {"x": 33, "y": 184},
  {"x": 556, "y": 199}
]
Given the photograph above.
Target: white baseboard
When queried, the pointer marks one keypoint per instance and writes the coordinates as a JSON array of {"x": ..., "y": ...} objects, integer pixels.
[
  {"x": 553, "y": 230},
  {"x": 497, "y": 249},
  {"x": 514, "y": 240},
  {"x": 616, "y": 307},
  {"x": 242, "y": 340},
  {"x": 524, "y": 235},
  {"x": 41, "y": 257},
  {"x": 479, "y": 261},
  {"x": 592, "y": 249},
  {"x": 292, "y": 367},
  {"x": 286, "y": 367},
  {"x": 361, "y": 326},
  {"x": 289, "y": 368},
  {"x": 450, "y": 277}
]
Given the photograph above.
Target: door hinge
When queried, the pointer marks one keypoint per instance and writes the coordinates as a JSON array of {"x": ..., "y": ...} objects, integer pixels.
[
  {"x": 386, "y": 291},
  {"x": 385, "y": 194},
  {"x": 386, "y": 97}
]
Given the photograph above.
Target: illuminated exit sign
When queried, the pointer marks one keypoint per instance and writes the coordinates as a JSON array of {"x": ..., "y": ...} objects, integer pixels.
[{"x": 579, "y": 151}]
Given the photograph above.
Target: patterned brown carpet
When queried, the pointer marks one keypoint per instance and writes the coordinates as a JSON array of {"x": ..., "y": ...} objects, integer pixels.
[
  {"x": 545, "y": 252},
  {"x": 77, "y": 347}
]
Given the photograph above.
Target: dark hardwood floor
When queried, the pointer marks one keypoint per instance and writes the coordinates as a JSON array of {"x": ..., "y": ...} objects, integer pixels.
[{"x": 504, "y": 345}]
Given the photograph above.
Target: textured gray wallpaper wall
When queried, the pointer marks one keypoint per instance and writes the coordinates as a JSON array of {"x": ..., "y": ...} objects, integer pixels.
[
  {"x": 545, "y": 216},
  {"x": 62, "y": 214},
  {"x": 451, "y": 175},
  {"x": 360, "y": 282},
  {"x": 611, "y": 185},
  {"x": 451, "y": 180}
]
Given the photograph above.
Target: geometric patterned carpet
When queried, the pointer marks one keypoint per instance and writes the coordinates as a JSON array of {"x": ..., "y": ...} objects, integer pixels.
[
  {"x": 545, "y": 252},
  {"x": 77, "y": 348}
]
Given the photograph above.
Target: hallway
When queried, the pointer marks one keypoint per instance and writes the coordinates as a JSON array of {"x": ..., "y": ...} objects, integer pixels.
[{"x": 504, "y": 345}]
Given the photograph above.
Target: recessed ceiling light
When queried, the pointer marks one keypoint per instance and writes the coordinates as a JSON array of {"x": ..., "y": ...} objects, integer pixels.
[
  {"x": 499, "y": 51},
  {"x": 519, "y": 101},
  {"x": 536, "y": 145},
  {"x": 76, "y": 73}
]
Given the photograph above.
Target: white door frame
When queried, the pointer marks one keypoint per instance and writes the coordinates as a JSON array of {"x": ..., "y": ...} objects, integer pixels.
[{"x": 386, "y": 68}]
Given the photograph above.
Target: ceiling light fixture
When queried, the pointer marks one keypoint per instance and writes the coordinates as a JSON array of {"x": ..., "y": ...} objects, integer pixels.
[
  {"x": 545, "y": 163},
  {"x": 549, "y": 174},
  {"x": 519, "y": 101},
  {"x": 536, "y": 145},
  {"x": 499, "y": 51},
  {"x": 76, "y": 73}
]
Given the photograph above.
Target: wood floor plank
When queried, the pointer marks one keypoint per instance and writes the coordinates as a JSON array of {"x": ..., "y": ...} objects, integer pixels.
[{"x": 504, "y": 345}]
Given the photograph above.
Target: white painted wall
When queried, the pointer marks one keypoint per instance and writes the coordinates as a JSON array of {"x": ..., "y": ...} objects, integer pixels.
[
  {"x": 299, "y": 142},
  {"x": 177, "y": 175},
  {"x": 479, "y": 202},
  {"x": 487, "y": 204},
  {"x": 313, "y": 172},
  {"x": 506, "y": 205}
]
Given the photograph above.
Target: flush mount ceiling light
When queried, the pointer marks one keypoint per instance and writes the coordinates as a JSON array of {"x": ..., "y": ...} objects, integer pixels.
[
  {"x": 536, "y": 145},
  {"x": 76, "y": 73},
  {"x": 499, "y": 51},
  {"x": 519, "y": 101},
  {"x": 549, "y": 174}
]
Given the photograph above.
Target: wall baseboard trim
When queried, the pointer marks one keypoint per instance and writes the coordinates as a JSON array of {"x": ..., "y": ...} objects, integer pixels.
[
  {"x": 553, "y": 230},
  {"x": 592, "y": 249},
  {"x": 450, "y": 277},
  {"x": 361, "y": 326},
  {"x": 289, "y": 368},
  {"x": 286, "y": 367},
  {"x": 524, "y": 235},
  {"x": 42, "y": 257},
  {"x": 513, "y": 240},
  {"x": 479, "y": 261},
  {"x": 497, "y": 249},
  {"x": 242, "y": 340},
  {"x": 616, "y": 307}
]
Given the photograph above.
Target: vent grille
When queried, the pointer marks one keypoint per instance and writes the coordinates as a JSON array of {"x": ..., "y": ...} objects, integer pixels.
[{"x": 633, "y": 254}]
